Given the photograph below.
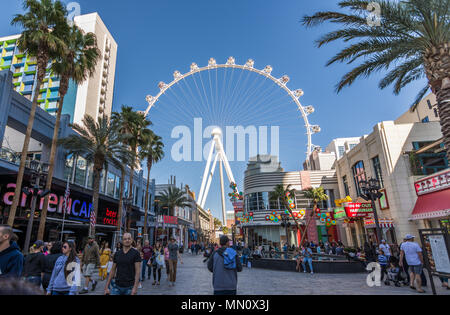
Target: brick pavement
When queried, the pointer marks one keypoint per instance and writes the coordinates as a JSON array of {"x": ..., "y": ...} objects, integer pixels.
[{"x": 193, "y": 278}]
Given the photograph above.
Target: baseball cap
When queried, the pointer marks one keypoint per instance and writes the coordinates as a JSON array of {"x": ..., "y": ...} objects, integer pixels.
[
  {"x": 409, "y": 237},
  {"x": 38, "y": 244}
]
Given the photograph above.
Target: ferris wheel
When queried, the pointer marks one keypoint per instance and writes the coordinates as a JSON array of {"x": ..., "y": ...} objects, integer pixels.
[{"x": 244, "y": 91}]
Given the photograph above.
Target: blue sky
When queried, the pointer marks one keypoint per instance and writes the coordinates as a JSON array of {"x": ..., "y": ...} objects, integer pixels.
[{"x": 157, "y": 37}]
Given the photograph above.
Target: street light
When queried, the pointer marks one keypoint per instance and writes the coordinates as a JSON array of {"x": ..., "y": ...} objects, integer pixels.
[
  {"x": 371, "y": 191},
  {"x": 38, "y": 173}
]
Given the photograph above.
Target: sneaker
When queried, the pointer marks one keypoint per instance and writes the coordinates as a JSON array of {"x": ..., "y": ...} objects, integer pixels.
[
  {"x": 154, "y": 282},
  {"x": 312, "y": 272},
  {"x": 158, "y": 283},
  {"x": 140, "y": 286},
  {"x": 304, "y": 271},
  {"x": 94, "y": 285},
  {"x": 84, "y": 291}
]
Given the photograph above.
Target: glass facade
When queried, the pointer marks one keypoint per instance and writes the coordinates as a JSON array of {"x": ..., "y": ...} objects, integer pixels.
[
  {"x": 80, "y": 171},
  {"x": 117, "y": 191},
  {"x": 359, "y": 175},
  {"x": 260, "y": 202},
  {"x": 110, "y": 184},
  {"x": 347, "y": 191},
  {"x": 377, "y": 170}
]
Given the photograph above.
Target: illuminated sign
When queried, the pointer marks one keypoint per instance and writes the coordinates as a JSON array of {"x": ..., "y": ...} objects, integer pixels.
[
  {"x": 357, "y": 210},
  {"x": 170, "y": 220},
  {"x": 339, "y": 213}
]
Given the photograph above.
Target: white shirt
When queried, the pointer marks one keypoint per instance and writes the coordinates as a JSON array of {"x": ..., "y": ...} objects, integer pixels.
[
  {"x": 386, "y": 249},
  {"x": 411, "y": 250}
]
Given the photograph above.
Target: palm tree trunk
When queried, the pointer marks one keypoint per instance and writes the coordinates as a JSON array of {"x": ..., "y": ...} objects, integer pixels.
[
  {"x": 437, "y": 68},
  {"x": 63, "y": 90},
  {"x": 130, "y": 196},
  {"x": 149, "y": 165},
  {"x": 122, "y": 184},
  {"x": 98, "y": 167},
  {"x": 443, "y": 101},
  {"x": 42, "y": 60},
  {"x": 305, "y": 231}
]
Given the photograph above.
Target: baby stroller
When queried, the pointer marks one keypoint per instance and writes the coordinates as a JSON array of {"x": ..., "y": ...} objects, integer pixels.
[{"x": 393, "y": 275}]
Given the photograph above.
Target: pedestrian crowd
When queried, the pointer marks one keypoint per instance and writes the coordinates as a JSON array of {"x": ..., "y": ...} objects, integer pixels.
[{"x": 55, "y": 268}]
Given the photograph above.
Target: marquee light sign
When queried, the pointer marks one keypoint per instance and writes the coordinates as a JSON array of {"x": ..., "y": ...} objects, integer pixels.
[
  {"x": 358, "y": 210},
  {"x": 78, "y": 209}
]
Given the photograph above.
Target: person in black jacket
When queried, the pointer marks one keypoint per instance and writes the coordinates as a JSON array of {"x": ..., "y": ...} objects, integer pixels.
[
  {"x": 33, "y": 268},
  {"x": 11, "y": 259},
  {"x": 49, "y": 263}
]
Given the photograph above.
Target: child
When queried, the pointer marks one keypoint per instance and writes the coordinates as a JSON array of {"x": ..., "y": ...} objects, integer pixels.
[
  {"x": 393, "y": 274},
  {"x": 382, "y": 260}
]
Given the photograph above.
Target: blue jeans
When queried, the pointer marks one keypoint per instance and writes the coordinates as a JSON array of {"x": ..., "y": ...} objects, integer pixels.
[
  {"x": 244, "y": 260},
  {"x": 149, "y": 272},
  {"x": 309, "y": 260},
  {"x": 60, "y": 292},
  {"x": 116, "y": 290},
  {"x": 36, "y": 280},
  {"x": 225, "y": 292}
]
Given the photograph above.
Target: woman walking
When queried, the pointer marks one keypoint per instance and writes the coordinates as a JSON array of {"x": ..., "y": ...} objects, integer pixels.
[
  {"x": 158, "y": 262},
  {"x": 166, "y": 260},
  {"x": 49, "y": 263},
  {"x": 33, "y": 267},
  {"x": 105, "y": 254},
  {"x": 63, "y": 271}
]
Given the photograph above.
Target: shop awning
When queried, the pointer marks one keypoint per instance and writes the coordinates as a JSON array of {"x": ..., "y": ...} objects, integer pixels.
[{"x": 433, "y": 205}]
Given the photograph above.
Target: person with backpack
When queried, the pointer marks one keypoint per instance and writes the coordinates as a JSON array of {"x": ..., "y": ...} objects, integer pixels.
[{"x": 224, "y": 263}]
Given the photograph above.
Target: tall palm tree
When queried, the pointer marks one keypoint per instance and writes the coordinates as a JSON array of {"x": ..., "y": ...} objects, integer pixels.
[
  {"x": 411, "y": 42},
  {"x": 316, "y": 195},
  {"x": 279, "y": 193},
  {"x": 122, "y": 161},
  {"x": 43, "y": 24},
  {"x": 153, "y": 152},
  {"x": 134, "y": 125},
  {"x": 77, "y": 64},
  {"x": 98, "y": 143}
]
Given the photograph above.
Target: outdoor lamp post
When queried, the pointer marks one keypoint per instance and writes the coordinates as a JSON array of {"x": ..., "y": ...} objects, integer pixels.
[
  {"x": 38, "y": 173},
  {"x": 370, "y": 190}
]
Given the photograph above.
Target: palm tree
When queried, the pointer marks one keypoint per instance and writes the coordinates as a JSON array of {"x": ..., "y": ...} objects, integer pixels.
[
  {"x": 77, "y": 64},
  {"x": 279, "y": 193},
  {"x": 98, "y": 143},
  {"x": 134, "y": 125},
  {"x": 153, "y": 152},
  {"x": 42, "y": 24},
  {"x": 413, "y": 37},
  {"x": 316, "y": 195},
  {"x": 173, "y": 197}
]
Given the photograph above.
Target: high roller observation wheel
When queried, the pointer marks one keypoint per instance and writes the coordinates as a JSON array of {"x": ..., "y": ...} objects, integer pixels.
[{"x": 249, "y": 66}]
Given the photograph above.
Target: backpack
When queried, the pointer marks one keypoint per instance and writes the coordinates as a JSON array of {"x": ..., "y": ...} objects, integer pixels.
[{"x": 229, "y": 258}]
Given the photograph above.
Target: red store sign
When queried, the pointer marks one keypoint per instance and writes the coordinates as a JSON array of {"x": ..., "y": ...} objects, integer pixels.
[
  {"x": 170, "y": 220},
  {"x": 433, "y": 183},
  {"x": 358, "y": 210}
]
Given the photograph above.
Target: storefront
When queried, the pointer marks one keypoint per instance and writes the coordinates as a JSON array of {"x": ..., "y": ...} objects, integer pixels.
[
  {"x": 433, "y": 200},
  {"x": 77, "y": 218}
]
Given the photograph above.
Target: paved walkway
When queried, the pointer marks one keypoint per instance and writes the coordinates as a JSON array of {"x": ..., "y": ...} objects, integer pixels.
[{"x": 193, "y": 278}]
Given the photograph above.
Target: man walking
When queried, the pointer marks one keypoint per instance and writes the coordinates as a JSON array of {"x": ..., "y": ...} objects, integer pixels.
[
  {"x": 174, "y": 255},
  {"x": 125, "y": 270},
  {"x": 224, "y": 264},
  {"x": 147, "y": 252},
  {"x": 413, "y": 254},
  {"x": 11, "y": 259},
  {"x": 91, "y": 259}
]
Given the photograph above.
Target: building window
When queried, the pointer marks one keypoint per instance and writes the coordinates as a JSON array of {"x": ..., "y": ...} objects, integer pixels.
[
  {"x": 341, "y": 151},
  {"x": 429, "y": 104},
  {"x": 110, "y": 184},
  {"x": 68, "y": 167},
  {"x": 80, "y": 171},
  {"x": 346, "y": 190},
  {"x": 102, "y": 181},
  {"x": 90, "y": 176},
  {"x": 425, "y": 120},
  {"x": 253, "y": 202},
  {"x": 263, "y": 200},
  {"x": 125, "y": 189},
  {"x": 117, "y": 192},
  {"x": 429, "y": 162},
  {"x": 359, "y": 175},
  {"x": 377, "y": 170},
  {"x": 352, "y": 145}
]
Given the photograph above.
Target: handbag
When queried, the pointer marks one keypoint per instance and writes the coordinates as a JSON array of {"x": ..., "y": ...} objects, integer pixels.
[{"x": 160, "y": 261}]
